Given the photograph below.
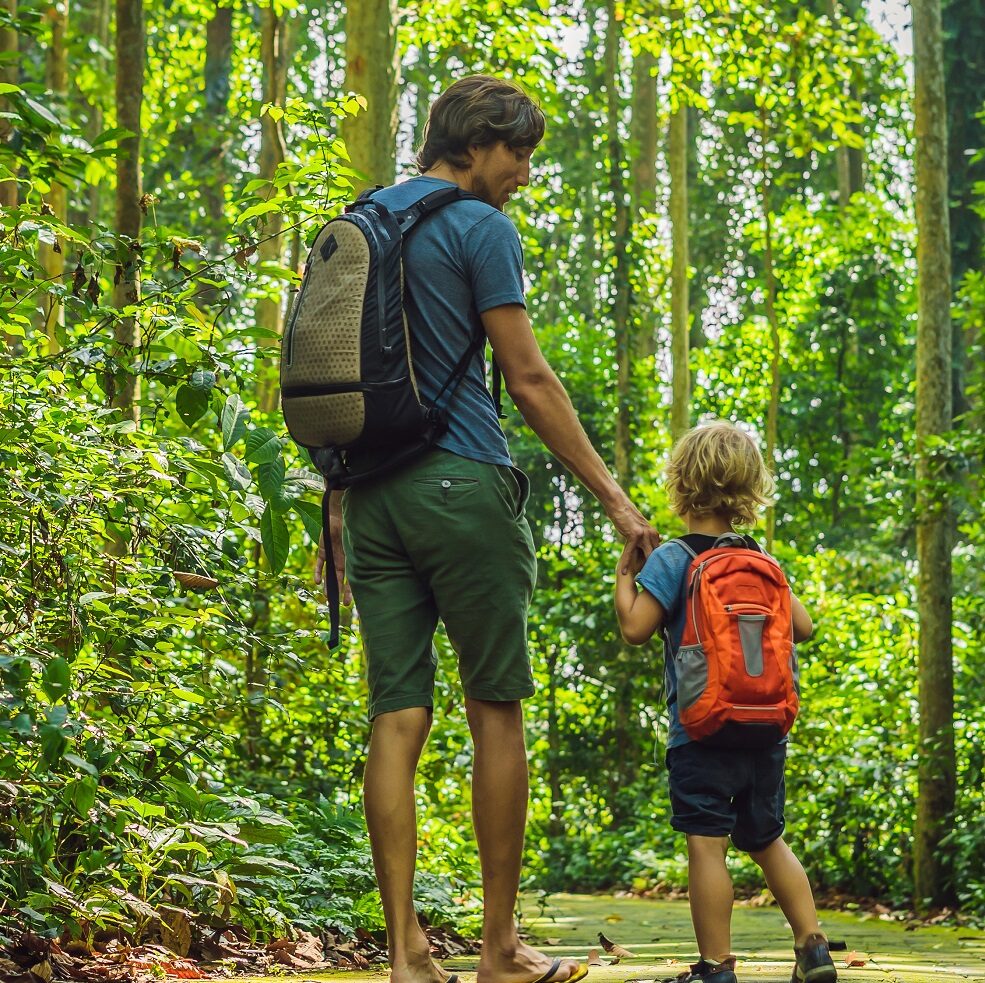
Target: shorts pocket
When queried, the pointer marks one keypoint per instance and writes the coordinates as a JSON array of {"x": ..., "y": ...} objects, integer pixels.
[
  {"x": 519, "y": 485},
  {"x": 691, "y": 665},
  {"x": 448, "y": 488}
]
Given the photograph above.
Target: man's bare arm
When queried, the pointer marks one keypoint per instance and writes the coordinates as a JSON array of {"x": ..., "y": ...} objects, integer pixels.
[{"x": 542, "y": 400}]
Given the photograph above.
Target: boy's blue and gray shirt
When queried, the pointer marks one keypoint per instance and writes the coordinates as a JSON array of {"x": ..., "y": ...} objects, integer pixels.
[
  {"x": 464, "y": 260},
  {"x": 664, "y": 575}
]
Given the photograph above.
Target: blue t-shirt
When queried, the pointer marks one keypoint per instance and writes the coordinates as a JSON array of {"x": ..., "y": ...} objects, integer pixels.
[
  {"x": 664, "y": 575},
  {"x": 463, "y": 260}
]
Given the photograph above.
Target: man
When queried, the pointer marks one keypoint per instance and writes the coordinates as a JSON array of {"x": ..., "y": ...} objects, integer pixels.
[{"x": 445, "y": 535}]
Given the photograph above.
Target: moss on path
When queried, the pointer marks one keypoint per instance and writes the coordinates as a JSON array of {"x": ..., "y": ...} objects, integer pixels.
[{"x": 659, "y": 934}]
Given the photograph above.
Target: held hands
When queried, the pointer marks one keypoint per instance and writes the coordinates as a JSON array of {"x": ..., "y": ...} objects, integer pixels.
[
  {"x": 630, "y": 563},
  {"x": 640, "y": 537}
]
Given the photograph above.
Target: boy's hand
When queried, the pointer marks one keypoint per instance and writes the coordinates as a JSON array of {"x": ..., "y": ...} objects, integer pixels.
[{"x": 632, "y": 560}]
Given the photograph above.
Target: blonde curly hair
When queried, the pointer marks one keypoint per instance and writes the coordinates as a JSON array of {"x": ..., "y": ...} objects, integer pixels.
[{"x": 716, "y": 468}]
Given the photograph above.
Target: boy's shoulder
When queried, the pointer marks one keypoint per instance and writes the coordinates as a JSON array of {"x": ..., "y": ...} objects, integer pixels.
[{"x": 696, "y": 543}]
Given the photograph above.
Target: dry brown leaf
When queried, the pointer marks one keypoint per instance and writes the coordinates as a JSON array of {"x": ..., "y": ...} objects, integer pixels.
[
  {"x": 195, "y": 581},
  {"x": 854, "y": 958},
  {"x": 615, "y": 949},
  {"x": 553, "y": 941},
  {"x": 176, "y": 932},
  {"x": 593, "y": 958}
]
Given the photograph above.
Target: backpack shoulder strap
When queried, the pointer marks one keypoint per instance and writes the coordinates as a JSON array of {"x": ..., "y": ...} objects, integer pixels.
[
  {"x": 684, "y": 545},
  {"x": 433, "y": 201}
]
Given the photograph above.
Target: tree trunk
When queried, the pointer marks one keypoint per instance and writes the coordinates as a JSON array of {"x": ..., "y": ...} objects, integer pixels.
[
  {"x": 372, "y": 68},
  {"x": 964, "y": 84},
  {"x": 52, "y": 257},
  {"x": 8, "y": 73},
  {"x": 100, "y": 33},
  {"x": 679, "y": 289},
  {"x": 936, "y": 769},
  {"x": 773, "y": 411},
  {"x": 218, "y": 67},
  {"x": 270, "y": 310},
  {"x": 848, "y": 160},
  {"x": 555, "y": 825},
  {"x": 125, "y": 386},
  {"x": 644, "y": 132},
  {"x": 619, "y": 293}
]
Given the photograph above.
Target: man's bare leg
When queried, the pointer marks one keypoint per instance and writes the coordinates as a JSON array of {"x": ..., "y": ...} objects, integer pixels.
[
  {"x": 499, "y": 813},
  {"x": 388, "y": 792}
]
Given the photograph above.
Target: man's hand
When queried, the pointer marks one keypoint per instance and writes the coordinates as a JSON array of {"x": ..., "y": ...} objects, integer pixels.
[{"x": 640, "y": 537}]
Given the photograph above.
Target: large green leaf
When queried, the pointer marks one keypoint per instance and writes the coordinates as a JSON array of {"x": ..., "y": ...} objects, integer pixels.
[
  {"x": 191, "y": 403},
  {"x": 262, "y": 445},
  {"x": 270, "y": 479},
  {"x": 57, "y": 678},
  {"x": 276, "y": 538},
  {"x": 311, "y": 517},
  {"x": 234, "y": 419}
]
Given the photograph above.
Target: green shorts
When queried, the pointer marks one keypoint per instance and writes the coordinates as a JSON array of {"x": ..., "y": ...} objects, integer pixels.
[{"x": 444, "y": 537}]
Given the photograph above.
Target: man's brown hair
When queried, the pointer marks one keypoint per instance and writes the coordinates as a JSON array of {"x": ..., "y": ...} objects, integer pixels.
[
  {"x": 478, "y": 111},
  {"x": 716, "y": 468}
]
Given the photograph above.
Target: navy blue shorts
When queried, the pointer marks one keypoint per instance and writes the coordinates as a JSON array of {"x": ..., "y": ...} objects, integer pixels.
[{"x": 737, "y": 792}]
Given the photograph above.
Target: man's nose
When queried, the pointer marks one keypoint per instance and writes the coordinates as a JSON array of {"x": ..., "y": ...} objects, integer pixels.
[{"x": 523, "y": 178}]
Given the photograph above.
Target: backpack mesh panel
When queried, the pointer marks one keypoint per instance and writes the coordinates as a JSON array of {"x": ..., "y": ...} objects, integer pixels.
[{"x": 325, "y": 346}]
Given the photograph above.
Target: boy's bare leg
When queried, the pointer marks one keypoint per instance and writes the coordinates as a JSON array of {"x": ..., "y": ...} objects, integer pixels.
[
  {"x": 785, "y": 877},
  {"x": 388, "y": 792},
  {"x": 499, "y": 813},
  {"x": 709, "y": 889}
]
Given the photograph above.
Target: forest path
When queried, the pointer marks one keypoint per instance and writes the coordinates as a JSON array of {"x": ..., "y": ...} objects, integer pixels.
[{"x": 659, "y": 934}]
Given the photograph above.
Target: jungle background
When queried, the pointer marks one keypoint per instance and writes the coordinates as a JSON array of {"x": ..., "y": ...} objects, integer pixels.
[{"x": 724, "y": 220}]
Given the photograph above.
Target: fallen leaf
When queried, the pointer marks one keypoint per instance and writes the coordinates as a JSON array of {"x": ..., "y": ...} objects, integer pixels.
[
  {"x": 553, "y": 941},
  {"x": 614, "y": 948},
  {"x": 854, "y": 958},
  {"x": 593, "y": 958}
]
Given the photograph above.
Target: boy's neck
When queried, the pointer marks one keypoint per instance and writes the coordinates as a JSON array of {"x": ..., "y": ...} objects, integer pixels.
[{"x": 708, "y": 525}]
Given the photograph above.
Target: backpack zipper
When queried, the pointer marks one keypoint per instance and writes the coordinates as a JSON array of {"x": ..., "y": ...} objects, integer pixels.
[{"x": 747, "y": 609}]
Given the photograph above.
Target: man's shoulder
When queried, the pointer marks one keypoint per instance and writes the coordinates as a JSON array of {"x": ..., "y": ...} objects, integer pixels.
[{"x": 467, "y": 213}]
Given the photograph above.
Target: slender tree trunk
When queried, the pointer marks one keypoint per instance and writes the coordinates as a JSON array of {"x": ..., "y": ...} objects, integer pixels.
[
  {"x": 555, "y": 826},
  {"x": 372, "y": 68},
  {"x": 964, "y": 85},
  {"x": 773, "y": 411},
  {"x": 625, "y": 748},
  {"x": 99, "y": 22},
  {"x": 643, "y": 157},
  {"x": 936, "y": 769},
  {"x": 270, "y": 310},
  {"x": 52, "y": 257},
  {"x": 125, "y": 386},
  {"x": 8, "y": 73},
  {"x": 679, "y": 289},
  {"x": 644, "y": 125},
  {"x": 620, "y": 243},
  {"x": 848, "y": 159},
  {"x": 218, "y": 68}
]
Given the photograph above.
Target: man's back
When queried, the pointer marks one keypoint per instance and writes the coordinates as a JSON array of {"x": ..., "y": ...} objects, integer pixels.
[{"x": 461, "y": 261}]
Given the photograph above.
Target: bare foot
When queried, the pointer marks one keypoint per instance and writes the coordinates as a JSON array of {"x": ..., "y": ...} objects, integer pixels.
[
  {"x": 417, "y": 967},
  {"x": 524, "y": 965}
]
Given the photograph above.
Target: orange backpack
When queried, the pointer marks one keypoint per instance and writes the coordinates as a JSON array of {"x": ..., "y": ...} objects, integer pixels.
[{"x": 737, "y": 675}]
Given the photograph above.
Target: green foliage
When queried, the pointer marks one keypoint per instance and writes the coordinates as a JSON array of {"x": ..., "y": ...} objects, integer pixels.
[{"x": 170, "y": 746}]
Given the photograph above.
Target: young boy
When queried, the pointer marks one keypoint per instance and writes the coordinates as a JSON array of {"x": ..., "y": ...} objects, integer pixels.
[{"x": 716, "y": 479}]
